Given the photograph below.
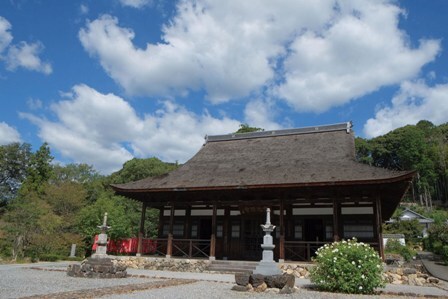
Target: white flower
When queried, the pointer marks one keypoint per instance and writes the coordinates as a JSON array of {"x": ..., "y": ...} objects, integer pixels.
[{"x": 360, "y": 287}]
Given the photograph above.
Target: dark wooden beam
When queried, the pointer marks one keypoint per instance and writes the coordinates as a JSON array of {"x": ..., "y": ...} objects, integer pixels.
[{"x": 141, "y": 230}]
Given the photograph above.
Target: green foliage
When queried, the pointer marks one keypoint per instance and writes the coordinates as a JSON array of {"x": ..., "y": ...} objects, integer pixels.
[
  {"x": 27, "y": 219},
  {"x": 137, "y": 169},
  {"x": 91, "y": 216},
  {"x": 39, "y": 171},
  {"x": 245, "y": 128},
  {"x": 14, "y": 161},
  {"x": 437, "y": 240},
  {"x": 347, "y": 267},
  {"x": 422, "y": 147},
  {"x": 394, "y": 246},
  {"x": 50, "y": 257},
  {"x": 75, "y": 173},
  {"x": 410, "y": 228}
]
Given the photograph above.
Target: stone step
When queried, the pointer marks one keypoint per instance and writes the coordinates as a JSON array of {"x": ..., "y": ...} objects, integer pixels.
[{"x": 233, "y": 266}]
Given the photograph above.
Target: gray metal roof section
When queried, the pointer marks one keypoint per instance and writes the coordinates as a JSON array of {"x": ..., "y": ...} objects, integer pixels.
[{"x": 306, "y": 130}]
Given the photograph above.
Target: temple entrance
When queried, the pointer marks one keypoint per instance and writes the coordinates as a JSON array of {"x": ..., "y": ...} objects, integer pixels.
[
  {"x": 314, "y": 230},
  {"x": 253, "y": 237},
  {"x": 205, "y": 229}
]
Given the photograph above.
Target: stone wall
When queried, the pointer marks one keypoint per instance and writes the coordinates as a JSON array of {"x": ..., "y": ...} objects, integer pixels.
[
  {"x": 172, "y": 264},
  {"x": 394, "y": 275}
]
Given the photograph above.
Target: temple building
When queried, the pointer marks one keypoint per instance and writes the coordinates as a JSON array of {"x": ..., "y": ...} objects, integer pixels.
[{"x": 214, "y": 204}]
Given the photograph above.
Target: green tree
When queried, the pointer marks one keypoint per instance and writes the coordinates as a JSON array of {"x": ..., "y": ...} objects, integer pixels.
[
  {"x": 78, "y": 173},
  {"x": 245, "y": 128},
  {"x": 14, "y": 161},
  {"x": 137, "y": 169},
  {"x": 422, "y": 147},
  {"x": 39, "y": 171},
  {"x": 410, "y": 228},
  {"x": 91, "y": 216},
  {"x": 26, "y": 220}
]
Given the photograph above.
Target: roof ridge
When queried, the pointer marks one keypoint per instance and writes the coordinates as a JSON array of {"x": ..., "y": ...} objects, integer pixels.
[{"x": 274, "y": 133}]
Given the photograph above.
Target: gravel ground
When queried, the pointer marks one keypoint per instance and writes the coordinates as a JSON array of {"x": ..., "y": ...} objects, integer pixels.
[
  {"x": 20, "y": 282},
  {"x": 50, "y": 281}
]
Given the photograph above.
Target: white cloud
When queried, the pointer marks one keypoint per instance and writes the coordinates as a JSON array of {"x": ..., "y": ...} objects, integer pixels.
[
  {"x": 8, "y": 134},
  {"x": 5, "y": 34},
  {"x": 261, "y": 114},
  {"x": 22, "y": 54},
  {"x": 136, "y": 3},
  {"x": 227, "y": 48},
  {"x": 27, "y": 56},
  {"x": 105, "y": 131},
  {"x": 414, "y": 102},
  {"x": 361, "y": 50},
  {"x": 83, "y": 9},
  {"x": 174, "y": 133},
  {"x": 34, "y": 104},
  {"x": 313, "y": 54}
]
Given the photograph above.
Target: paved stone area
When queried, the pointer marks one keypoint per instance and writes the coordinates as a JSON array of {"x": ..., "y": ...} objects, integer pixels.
[
  {"x": 436, "y": 268},
  {"x": 49, "y": 280}
]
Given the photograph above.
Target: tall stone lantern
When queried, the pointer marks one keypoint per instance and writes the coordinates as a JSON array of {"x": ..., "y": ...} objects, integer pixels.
[{"x": 267, "y": 266}]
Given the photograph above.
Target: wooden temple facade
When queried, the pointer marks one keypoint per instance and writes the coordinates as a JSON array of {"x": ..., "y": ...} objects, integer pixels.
[{"x": 214, "y": 204}]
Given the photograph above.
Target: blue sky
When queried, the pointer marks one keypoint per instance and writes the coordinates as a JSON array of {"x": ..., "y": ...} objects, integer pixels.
[{"x": 105, "y": 81}]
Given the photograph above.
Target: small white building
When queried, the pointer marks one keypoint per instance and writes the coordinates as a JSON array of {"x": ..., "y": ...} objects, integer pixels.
[{"x": 408, "y": 214}]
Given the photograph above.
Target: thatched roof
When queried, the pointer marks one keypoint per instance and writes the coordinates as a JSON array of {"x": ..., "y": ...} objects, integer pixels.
[
  {"x": 307, "y": 156},
  {"x": 314, "y": 163}
]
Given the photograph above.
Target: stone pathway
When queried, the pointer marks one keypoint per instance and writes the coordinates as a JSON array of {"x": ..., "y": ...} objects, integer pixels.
[
  {"x": 434, "y": 267},
  {"x": 49, "y": 280}
]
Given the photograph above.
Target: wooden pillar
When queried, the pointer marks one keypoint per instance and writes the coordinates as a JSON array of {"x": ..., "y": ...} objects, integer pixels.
[
  {"x": 141, "y": 230},
  {"x": 213, "y": 236},
  {"x": 169, "y": 248},
  {"x": 225, "y": 232},
  {"x": 378, "y": 228},
  {"x": 336, "y": 220},
  {"x": 187, "y": 231},
  {"x": 282, "y": 233},
  {"x": 160, "y": 226}
]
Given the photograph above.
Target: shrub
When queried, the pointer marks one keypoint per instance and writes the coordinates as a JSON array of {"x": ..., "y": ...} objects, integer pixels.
[
  {"x": 50, "y": 257},
  {"x": 394, "y": 246},
  {"x": 347, "y": 267},
  {"x": 445, "y": 254}
]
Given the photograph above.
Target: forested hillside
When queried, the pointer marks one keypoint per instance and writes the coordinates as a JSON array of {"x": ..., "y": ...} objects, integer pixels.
[
  {"x": 46, "y": 207},
  {"x": 422, "y": 147}
]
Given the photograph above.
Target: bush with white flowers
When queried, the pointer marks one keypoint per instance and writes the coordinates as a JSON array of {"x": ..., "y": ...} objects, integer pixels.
[{"x": 348, "y": 267}]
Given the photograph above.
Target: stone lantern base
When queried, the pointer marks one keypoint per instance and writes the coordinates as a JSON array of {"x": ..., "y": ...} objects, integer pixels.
[{"x": 97, "y": 268}]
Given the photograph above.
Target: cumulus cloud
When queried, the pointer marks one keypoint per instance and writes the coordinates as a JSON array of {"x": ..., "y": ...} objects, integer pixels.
[
  {"x": 8, "y": 134},
  {"x": 361, "y": 51},
  {"x": 261, "y": 114},
  {"x": 136, "y": 3},
  {"x": 5, "y": 34},
  {"x": 23, "y": 54},
  {"x": 227, "y": 48},
  {"x": 27, "y": 56},
  {"x": 415, "y": 101},
  {"x": 104, "y": 130},
  {"x": 314, "y": 55}
]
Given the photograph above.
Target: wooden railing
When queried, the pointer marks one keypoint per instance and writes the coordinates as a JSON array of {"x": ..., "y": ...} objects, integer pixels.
[
  {"x": 191, "y": 247},
  {"x": 302, "y": 250}
]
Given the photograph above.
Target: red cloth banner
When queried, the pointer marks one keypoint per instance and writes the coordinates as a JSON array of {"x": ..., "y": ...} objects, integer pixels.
[{"x": 128, "y": 246}]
